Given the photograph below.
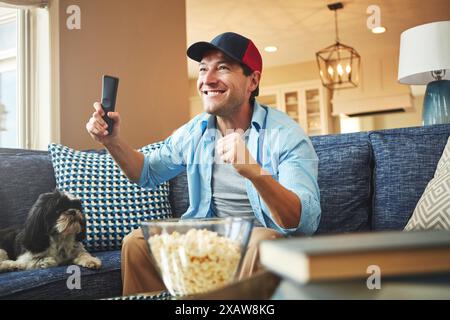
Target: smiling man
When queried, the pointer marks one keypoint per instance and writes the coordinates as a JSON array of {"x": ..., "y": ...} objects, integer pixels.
[{"x": 242, "y": 159}]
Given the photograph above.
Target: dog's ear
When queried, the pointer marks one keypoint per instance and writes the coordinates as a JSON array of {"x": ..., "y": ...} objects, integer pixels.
[{"x": 36, "y": 236}]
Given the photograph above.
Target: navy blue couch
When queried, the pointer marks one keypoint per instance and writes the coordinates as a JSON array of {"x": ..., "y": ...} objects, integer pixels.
[{"x": 369, "y": 181}]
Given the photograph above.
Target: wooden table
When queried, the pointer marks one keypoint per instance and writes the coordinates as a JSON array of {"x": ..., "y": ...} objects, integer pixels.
[{"x": 266, "y": 285}]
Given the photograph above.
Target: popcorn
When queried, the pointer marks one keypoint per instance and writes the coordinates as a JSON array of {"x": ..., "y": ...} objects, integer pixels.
[{"x": 197, "y": 261}]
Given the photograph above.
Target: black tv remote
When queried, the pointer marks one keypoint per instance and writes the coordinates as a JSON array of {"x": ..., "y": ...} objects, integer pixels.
[{"x": 109, "y": 94}]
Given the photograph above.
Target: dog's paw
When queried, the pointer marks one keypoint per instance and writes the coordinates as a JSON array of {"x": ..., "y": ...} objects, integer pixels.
[
  {"x": 47, "y": 262},
  {"x": 3, "y": 255},
  {"x": 10, "y": 265},
  {"x": 89, "y": 261}
]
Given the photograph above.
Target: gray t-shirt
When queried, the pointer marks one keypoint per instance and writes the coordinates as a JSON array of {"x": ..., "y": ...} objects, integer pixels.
[{"x": 229, "y": 194}]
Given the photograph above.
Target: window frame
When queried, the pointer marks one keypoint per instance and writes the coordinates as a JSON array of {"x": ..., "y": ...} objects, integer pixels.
[
  {"x": 9, "y": 60},
  {"x": 37, "y": 75}
]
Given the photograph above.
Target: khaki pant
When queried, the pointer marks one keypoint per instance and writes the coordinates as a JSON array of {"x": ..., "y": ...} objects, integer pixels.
[{"x": 139, "y": 275}]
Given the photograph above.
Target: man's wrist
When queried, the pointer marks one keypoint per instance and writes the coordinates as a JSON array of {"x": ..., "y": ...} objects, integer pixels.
[
  {"x": 112, "y": 143},
  {"x": 251, "y": 171}
]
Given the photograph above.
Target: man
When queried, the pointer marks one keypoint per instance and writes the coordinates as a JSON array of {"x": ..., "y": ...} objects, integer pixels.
[{"x": 241, "y": 158}]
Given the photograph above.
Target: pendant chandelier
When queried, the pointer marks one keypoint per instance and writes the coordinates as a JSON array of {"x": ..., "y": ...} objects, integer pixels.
[{"x": 338, "y": 64}]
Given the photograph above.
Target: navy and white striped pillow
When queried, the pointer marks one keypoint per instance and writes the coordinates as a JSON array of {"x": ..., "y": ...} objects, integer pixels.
[{"x": 112, "y": 205}]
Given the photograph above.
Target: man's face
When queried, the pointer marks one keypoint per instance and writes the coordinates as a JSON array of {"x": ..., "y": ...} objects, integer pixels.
[{"x": 222, "y": 84}]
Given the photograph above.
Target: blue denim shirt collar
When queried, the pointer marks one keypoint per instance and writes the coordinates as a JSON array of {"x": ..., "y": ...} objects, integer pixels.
[{"x": 259, "y": 117}]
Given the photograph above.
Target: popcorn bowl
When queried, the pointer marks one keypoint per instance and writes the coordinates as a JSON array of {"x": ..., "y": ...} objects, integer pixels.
[{"x": 197, "y": 255}]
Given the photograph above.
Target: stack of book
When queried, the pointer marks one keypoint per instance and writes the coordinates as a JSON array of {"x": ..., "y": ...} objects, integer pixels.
[{"x": 347, "y": 256}]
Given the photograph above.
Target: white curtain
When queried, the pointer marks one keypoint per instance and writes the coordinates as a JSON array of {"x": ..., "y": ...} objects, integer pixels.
[
  {"x": 24, "y": 3},
  {"x": 40, "y": 125}
]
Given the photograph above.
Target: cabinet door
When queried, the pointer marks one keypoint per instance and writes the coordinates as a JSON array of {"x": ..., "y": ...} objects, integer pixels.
[
  {"x": 307, "y": 103},
  {"x": 270, "y": 98},
  {"x": 291, "y": 101},
  {"x": 314, "y": 113}
]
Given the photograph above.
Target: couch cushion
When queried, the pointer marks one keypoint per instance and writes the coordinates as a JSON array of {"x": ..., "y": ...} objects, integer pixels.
[
  {"x": 112, "y": 205},
  {"x": 433, "y": 209},
  {"x": 344, "y": 181},
  {"x": 179, "y": 195},
  {"x": 51, "y": 283},
  {"x": 24, "y": 175},
  {"x": 405, "y": 160}
]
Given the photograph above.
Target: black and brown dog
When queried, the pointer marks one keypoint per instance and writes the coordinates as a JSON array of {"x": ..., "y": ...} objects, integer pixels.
[{"x": 51, "y": 236}]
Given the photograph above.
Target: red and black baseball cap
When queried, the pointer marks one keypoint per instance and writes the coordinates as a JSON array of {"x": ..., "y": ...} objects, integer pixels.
[{"x": 234, "y": 45}]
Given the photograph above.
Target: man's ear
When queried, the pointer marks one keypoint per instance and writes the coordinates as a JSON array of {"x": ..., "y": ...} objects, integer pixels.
[{"x": 255, "y": 78}]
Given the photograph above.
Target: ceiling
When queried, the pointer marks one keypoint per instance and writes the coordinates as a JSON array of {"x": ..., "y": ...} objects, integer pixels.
[{"x": 299, "y": 28}]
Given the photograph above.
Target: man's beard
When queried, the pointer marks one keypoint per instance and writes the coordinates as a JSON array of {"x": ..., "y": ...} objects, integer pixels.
[{"x": 225, "y": 108}]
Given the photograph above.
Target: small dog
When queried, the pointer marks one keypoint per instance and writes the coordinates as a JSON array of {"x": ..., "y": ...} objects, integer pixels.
[{"x": 50, "y": 237}]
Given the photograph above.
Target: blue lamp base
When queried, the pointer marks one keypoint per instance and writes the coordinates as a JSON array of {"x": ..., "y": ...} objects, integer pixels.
[{"x": 436, "y": 103}]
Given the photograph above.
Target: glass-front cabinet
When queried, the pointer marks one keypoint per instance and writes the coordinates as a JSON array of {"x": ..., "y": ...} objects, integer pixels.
[
  {"x": 307, "y": 103},
  {"x": 270, "y": 98}
]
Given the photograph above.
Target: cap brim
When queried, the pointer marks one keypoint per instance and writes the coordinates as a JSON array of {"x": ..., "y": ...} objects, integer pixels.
[{"x": 198, "y": 50}]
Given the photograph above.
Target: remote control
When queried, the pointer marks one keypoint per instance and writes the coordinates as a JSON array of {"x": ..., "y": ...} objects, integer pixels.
[{"x": 109, "y": 94}]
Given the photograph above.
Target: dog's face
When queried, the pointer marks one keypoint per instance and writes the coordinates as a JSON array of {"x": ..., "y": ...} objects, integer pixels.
[
  {"x": 69, "y": 218},
  {"x": 54, "y": 213}
]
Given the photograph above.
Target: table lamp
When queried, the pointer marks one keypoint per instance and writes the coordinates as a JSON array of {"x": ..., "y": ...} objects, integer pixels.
[{"x": 425, "y": 59}]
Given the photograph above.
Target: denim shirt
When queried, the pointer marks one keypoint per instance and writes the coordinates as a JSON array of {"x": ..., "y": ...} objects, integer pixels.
[{"x": 276, "y": 142}]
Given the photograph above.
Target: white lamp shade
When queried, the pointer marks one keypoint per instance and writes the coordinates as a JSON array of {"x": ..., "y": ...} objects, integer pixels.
[{"x": 423, "y": 49}]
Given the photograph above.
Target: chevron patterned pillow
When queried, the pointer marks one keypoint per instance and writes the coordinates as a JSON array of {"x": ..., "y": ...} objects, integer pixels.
[
  {"x": 433, "y": 209},
  {"x": 112, "y": 205}
]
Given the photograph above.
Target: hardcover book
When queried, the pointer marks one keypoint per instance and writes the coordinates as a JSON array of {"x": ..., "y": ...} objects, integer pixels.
[{"x": 348, "y": 256}]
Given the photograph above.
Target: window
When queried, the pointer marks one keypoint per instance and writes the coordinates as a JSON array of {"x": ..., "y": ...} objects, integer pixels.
[
  {"x": 26, "y": 119},
  {"x": 9, "y": 120}
]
